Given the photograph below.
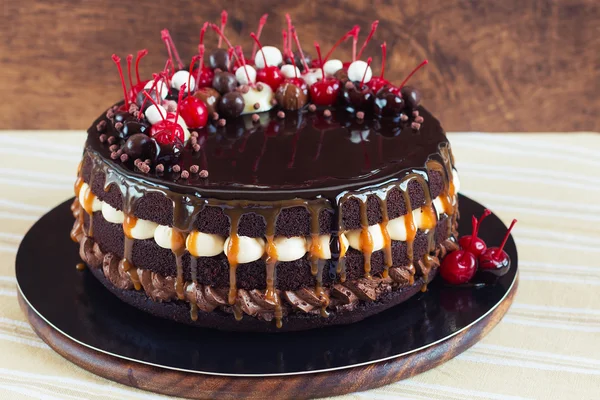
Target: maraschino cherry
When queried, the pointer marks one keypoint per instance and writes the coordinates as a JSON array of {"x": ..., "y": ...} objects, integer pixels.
[
  {"x": 165, "y": 131},
  {"x": 193, "y": 110},
  {"x": 377, "y": 82},
  {"x": 472, "y": 243},
  {"x": 203, "y": 74},
  {"x": 359, "y": 96},
  {"x": 458, "y": 267},
  {"x": 494, "y": 262},
  {"x": 326, "y": 91},
  {"x": 270, "y": 74}
]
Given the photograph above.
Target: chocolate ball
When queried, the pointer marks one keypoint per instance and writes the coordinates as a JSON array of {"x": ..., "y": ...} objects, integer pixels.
[
  {"x": 140, "y": 145},
  {"x": 341, "y": 75},
  {"x": 169, "y": 153},
  {"x": 141, "y": 99},
  {"x": 290, "y": 96},
  {"x": 231, "y": 105},
  {"x": 134, "y": 126},
  {"x": 357, "y": 98},
  {"x": 224, "y": 82},
  {"x": 210, "y": 97},
  {"x": 388, "y": 102},
  {"x": 219, "y": 58},
  {"x": 411, "y": 96}
]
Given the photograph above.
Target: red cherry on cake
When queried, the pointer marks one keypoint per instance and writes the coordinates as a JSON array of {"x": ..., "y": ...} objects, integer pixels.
[
  {"x": 194, "y": 112},
  {"x": 326, "y": 91},
  {"x": 458, "y": 267},
  {"x": 494, "y": 262},
  {"x": 271, "y": 76},
  {"x": 166, "y": 132},
  {"x": 472, "y": 243}
]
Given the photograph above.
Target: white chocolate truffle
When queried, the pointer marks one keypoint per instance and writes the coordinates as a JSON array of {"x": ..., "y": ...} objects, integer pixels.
[
  {"x": 290, "y": 249},
  {"x": 254, "y": 96},
  {"x": 201, "y": 244},
  {"x": 111, "y": 214},
  {"x": 376, "y": 236},
  {"x": 161, "y": 86},
  {"x": 155, "y": 114},
  {"x": 272, "y": 54},
  {"x": 250, "y": 249},
  {"x": 180, "y": 78},
  {"x": 313, "y": 75},
  {"x": 290, "y": 71},
  {"x": 356, "y": 71},
  {"x": 332, "y": 66},
  {"x": 242, "y": 78}
]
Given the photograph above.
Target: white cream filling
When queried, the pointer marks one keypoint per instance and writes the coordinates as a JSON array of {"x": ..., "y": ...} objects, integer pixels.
[
  {"x": 290, "y": 249},
  {"x": 111, "y": 214},
  {"x": 263, "y": 98},
  {"x": 249, "y": 249},
  {"x": 201, "y": 244},
  {"x": 376, "y": 236},
  {"x": 84, "y": 192},
  {"x": 163, "y": 236},
  {"x": 143, "y": 229}
]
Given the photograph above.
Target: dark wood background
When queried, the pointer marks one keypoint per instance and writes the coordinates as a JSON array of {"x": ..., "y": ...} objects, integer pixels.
[{"x": 510, "y": 65}]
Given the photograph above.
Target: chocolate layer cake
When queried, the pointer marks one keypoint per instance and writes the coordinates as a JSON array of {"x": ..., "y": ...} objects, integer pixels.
[{"x": 273, "y": 195}]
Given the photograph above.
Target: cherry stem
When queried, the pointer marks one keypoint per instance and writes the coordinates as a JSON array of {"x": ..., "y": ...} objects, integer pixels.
[
  {"x": 201, "y": 63},
  {"x": 295, "y": 35},
  {"x": 291, "y": 55},
  {"x": 289, "y": 31},
  {"x": 179, "y": 99},
  {"x": 368, "y": 39},
  {"x": 255, "y": 38},
  {"x": 352, "y": 32},
  {"x": 425, "y": 62},
  {"x": 320, "y": 59},
  {"x": 383, "y": 57},
  {"x": 140, "y": 54},
  {"x": 129, "y": 60},
  {"x": 153, "y": 87},
  {"x": 362, "y": 81},
  {"x": 501, "y": 248},
  {"x": 284, "y": 37},
  {"x": 148, "y": 97},
  {"x": 222, "y": 35},
  {"x": 473, "y": 231},
  {"x": 166, "y": 37},
  {"x": 485, "y": 214},
  {"x": 189, "y": 82},
  {"x": 261, "y": 23},
  {"x": 244, "y": 64},
  {"x": 223, "y": 24},
  {"x": 117, "y": 61},
  {"x": 202, "y": 32},
  {"x": 166, "y": 73}
]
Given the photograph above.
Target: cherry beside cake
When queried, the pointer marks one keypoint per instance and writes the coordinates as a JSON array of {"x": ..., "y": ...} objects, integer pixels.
[{"x": 260, "y": 190}]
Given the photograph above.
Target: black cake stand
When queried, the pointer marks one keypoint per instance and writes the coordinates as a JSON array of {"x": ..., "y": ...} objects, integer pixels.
[{"x": 76, "y": 316}]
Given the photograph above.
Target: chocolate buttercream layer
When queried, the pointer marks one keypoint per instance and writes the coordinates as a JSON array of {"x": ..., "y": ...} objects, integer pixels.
[{"x": 292, "y": 275}]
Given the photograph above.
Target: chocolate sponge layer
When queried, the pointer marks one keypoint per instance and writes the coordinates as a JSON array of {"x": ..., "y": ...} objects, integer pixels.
[
  {"x": 214, "y": 271},
  {"x": 293, "y": 221}
]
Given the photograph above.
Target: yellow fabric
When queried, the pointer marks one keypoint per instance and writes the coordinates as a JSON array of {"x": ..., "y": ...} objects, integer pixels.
[{"x": 547, "y": 346}]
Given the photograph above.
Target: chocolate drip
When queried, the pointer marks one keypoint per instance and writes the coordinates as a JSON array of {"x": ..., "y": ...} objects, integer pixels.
[
  {"x": 317, "y": 257},
  {"x": 233, "y": 249},
  {"x": 366, "y": 240},
  {"x": 387, "y": 242}
]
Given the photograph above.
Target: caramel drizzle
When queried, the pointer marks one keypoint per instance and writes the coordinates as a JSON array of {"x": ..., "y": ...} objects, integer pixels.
[
  {"x": 233, "y": 249},
  {"x": 128, "y": 224},
  {"x": 366, "y": 240},
  {"x": 317, "y": 257}
]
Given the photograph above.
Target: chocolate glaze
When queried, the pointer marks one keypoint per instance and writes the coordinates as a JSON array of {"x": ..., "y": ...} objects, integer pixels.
[{"x": 303, "y": 155}]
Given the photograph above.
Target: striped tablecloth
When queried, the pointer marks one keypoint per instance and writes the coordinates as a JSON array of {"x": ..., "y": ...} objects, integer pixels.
[{"x": 547, "y": 346}]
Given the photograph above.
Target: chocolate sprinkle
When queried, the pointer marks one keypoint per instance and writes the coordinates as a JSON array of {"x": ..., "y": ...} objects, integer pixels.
[
  {"x": 327, "y": 113},
  {"x": 101, "y": 126},
  {"x": 280, "y": 114},
  {"x": 312, "y": 108},
  {"x": 404, "y": 117},
  {"x": 259, "y": 87},
  {"x": 124, "y": 157},
  {"x": 255, "y": 117},
  {"x": 273, "y": 101},
  {"x": 222, "y": 122},
  {"x": 103, "y": 138},
  {"x": 204, "y": 174},
  {"x": 185, "y": 174},
  {"x": 360, "y": 115},
  {"x": 176, "y": 168},
  {"x": 114, "y": 147},
  {"x": 144, "y": 168},
  {"x": 196, "y": 147},
  {"x": 416, "y": 113},
  {"x": 215, "y": 116},
  {"x": 194, "y": 134},
  {"x": 416, "y": 126},
  {"x": 194, "y": 169},
  {"x": 114, "y": 155},
  {"x": 160, "y": 168},
  {"x": 419, "y": 119},
  {"x": 244, "y": 89},
  {"x": 112, "y": 140},
  {"x": 256, "y": 106}
]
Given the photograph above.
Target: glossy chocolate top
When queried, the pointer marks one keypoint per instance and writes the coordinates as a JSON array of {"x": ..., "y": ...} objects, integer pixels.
[{"x": 304, "y": 154}]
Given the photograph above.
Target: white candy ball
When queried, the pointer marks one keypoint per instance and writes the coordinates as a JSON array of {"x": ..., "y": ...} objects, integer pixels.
[
  {"x": 332, "y": 66},
  {"x": 242, "y": 78},
  {"x": 356, "y": 71},
  {"x": 272, "y": 54},
  {"x": 162, "y": 87},
  {"x": 153, "y": 113},
  {"x": 313, "y": 75},
  {"x": 290, "y": 71},
  {"x": 180, "y": 78}
]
